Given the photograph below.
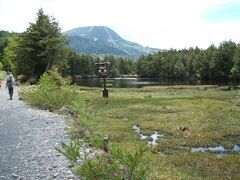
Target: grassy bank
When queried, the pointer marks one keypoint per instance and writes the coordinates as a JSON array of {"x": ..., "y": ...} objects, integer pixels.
[{"x": 185, "y": 117}]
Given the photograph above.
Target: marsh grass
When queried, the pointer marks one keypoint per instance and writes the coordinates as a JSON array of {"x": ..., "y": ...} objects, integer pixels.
[
  {"x": 187, "y": 116},
  {"x": 209, "y": 116}
]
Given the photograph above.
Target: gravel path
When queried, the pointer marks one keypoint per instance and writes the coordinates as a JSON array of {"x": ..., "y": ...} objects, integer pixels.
[{"x": 28, "y": 138}]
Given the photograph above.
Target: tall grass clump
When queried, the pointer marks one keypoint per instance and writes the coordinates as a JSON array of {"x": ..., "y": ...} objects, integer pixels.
[
  {"x": 52, "y": 92},
  {"x": 115, "y": 165},
  {"x": 71, "y": 151}
]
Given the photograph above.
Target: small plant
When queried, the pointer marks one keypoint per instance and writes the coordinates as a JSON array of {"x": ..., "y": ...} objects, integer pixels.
[
  {"x": 70, "y": 151},
  {"x": 93, "y": 139},
  {"x": 117, "y": 165},
  {"x": 148, "y": 97}
]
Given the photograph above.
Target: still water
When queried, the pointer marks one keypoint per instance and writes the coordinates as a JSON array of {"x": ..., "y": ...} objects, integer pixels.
[{"x": 131, "y": 82}]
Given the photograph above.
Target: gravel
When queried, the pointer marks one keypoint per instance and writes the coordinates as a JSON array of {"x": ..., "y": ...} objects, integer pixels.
[{"x": 28, "y": 138}]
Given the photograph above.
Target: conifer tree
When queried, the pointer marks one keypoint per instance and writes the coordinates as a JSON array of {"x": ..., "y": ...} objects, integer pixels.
[{"x": 41, "y": 45}]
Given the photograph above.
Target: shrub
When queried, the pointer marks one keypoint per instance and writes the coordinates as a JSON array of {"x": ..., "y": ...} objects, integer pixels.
[
  {"x": 57, "y": 78},
  {"x": 117, "y": 165},
  {"x": 1, "y": 65},
  {"x": 3, "y": 75},
  {"x": 70, "y": 151},
  {"x": 49, "y": 94}
]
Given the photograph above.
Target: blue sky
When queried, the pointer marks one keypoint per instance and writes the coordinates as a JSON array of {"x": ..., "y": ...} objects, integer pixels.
[
  {"x": 162, "y": 24},
  {"x": 224, "y": 13}
]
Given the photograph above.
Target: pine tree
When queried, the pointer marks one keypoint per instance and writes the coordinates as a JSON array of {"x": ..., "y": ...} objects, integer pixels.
[
  {"x": 236, "y": 67},
  {"x": 41, "y": 45}
]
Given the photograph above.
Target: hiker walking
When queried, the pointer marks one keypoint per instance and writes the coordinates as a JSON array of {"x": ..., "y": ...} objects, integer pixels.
[{"x": 10, "y": 84}]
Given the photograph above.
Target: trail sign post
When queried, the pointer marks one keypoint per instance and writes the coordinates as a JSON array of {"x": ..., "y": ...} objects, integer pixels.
[{"x": 103, "y": 71}]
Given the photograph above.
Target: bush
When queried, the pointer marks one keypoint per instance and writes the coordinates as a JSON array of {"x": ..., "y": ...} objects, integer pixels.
[
  {"x": 57, "y": 78},
  {"x": 70, "y": 151},
  {"x": 117, "y": 165},
  {"x": 3, "y": 75},
  {"x": 49, "y": 94},
  {"x": 1, "y": 65}
]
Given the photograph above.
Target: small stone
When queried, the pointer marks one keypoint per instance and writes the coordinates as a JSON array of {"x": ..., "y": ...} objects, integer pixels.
[
  {"x": 14, "y": 175},
  {"x": 70, "y": 176},
  {"x": 55, "y": 175}
]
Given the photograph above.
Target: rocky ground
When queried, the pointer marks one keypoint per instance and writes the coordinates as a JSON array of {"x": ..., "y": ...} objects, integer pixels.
[{"x": 28, "y": 138}]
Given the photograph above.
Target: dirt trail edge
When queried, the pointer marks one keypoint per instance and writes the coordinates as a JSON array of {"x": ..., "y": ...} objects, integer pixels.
[{"x": 28, "y": 138}]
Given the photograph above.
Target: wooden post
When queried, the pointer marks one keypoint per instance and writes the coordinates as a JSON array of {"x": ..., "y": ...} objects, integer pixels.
[
  {"x": 106, "y": 144},
  {"x": 105, "y": 90}
]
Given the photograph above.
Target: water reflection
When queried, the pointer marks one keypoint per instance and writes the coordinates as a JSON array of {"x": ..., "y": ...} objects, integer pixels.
[
  {"x": 210, "y": 149},
  {"x": 153, "y": 138},
  {"x": 236, "y": 148},
  {"x": 132, "y": 82},
  {"x": 218, "y": 149}
]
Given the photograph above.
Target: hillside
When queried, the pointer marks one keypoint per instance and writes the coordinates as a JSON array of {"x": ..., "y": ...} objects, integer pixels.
[{"x": 101, "y": 40}]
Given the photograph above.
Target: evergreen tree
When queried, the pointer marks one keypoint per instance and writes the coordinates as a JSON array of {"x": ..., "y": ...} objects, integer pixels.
[
  {"x": 113, "y": 67},
  {"x": 224, "y": 60},
  {"x": 235, "y": 71},
  {"x": 10, "y": 55},
  {"x": 4, "y": 39},
  {"x": 41, "y": 45}
]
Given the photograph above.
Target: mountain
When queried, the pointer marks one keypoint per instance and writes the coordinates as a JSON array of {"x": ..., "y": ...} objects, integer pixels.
[{"x": 101, "y": 40}]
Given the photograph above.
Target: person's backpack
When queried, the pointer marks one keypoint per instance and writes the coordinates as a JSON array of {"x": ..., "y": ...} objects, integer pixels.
[{"x": 10, "y": 82}]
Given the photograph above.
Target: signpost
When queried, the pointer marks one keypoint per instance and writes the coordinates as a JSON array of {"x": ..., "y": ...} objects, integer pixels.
[{"x": 102, "y": 70}]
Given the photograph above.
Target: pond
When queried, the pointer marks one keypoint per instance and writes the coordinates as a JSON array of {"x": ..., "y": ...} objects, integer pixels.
[{"x": 132, "y": 82}]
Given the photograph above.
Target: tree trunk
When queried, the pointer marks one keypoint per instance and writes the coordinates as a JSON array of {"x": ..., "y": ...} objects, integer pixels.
[{"x": 48, "y": 64}]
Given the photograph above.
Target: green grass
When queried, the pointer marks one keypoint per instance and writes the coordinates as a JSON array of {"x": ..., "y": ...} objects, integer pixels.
[{"x": 211, "y": 117}]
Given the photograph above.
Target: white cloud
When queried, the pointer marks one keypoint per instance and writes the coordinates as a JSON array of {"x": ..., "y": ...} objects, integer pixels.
[{"x": 156, "y": 23}]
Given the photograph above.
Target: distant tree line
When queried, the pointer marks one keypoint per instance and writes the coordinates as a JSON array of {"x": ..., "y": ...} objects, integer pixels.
[
  {"x": 43, "y": 46},
  {"x": 194, "y": 63},
  {"x": 83, "y": 65}
]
